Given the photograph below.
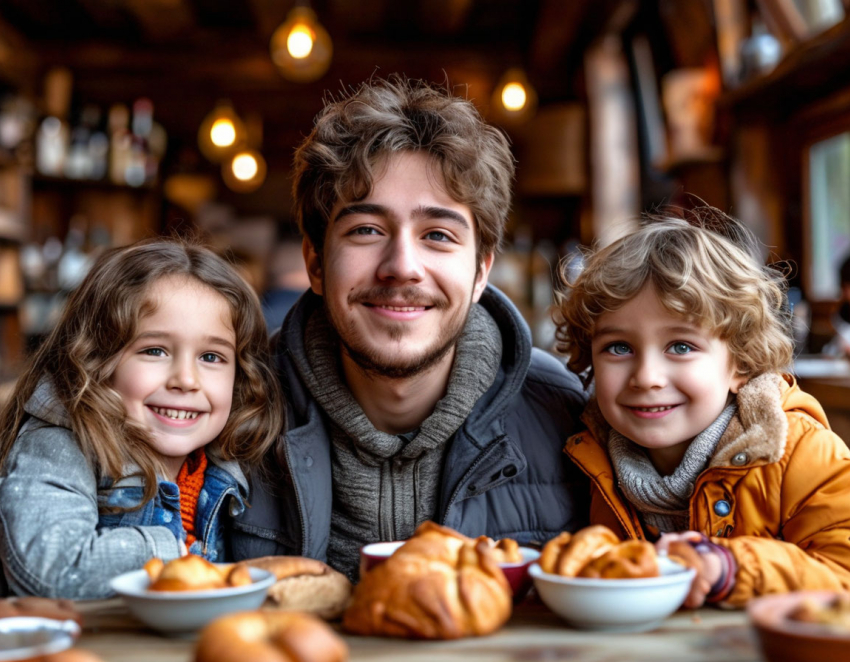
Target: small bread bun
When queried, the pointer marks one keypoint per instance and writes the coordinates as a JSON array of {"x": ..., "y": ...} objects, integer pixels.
[
  {"x": 304, "y": 585},
  {"x": 506, "y": 550},
  {"x": 634, "y": 559},
  {"x": 269, "y": 636},
  {"x": 567, "y": 554},
  {"x": 60, "y": 610},
  {"x": 194, "y": 573}
]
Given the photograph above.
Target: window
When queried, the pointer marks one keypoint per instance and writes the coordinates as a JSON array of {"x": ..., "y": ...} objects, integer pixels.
[{"x": 829, "y": 213}]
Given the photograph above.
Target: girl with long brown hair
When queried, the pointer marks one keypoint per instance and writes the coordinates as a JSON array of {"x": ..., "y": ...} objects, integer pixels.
[{"x": 129, "y": 429}]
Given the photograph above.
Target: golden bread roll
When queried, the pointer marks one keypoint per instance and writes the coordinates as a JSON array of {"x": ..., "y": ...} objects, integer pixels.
[
  {"x": 633, "y": 559},
  {"x": 567, "y": 554},
  {"x": 60, "y": 610},
  {"x": 438, "y": 585},
  {"x": 304, "y": 585},
  {"x": 194, "y": 573},
  {"x": 269, "y": 636},
  {"x": 506, "y": 550}
]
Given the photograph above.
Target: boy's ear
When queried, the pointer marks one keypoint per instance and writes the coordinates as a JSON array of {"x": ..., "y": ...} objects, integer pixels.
[
  {"x": 738, "y": 380},
  {"x": 314, "y": 266}
]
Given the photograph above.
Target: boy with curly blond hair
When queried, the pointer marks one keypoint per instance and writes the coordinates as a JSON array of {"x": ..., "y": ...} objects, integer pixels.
[{"x": 696, "y": 432}]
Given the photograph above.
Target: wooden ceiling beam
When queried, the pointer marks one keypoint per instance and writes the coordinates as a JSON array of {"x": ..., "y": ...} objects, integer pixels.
[
  {"x": 558, "y": 24},
  {"x": 162, "y": 20}
]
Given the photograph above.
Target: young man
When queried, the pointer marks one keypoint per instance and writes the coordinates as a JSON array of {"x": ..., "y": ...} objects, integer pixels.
[{"x": 413, "y": 389}]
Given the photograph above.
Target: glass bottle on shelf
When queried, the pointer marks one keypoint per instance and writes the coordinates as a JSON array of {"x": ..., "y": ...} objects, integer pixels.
[
  {"x": 119, "y": 142},
  {"x": 53, "y": 134}
]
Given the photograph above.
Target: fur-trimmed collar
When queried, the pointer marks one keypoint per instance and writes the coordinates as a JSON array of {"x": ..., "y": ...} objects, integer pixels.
[{"x": 759, "y": 429}]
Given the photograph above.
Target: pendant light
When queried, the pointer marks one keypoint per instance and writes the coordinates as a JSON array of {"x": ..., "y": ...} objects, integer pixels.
[
  {"x": 221, "y": 133},
  {"x": 514, "y": 99},
  {"x": 245, "y": 172},
  {"x": 301, "y": 48}
]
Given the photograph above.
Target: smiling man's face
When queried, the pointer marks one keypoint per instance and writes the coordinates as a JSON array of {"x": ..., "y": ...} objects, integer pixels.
[{"x": 398, "y": 270}]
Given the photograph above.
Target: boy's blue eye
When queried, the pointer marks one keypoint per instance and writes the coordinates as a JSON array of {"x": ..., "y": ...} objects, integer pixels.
[
  {"x": 154, "y": 351},
  {"x": 681, "y": 348},
  {"x": 210, "y": 357},
  {"x": 618, "y": 349},
  {"x": 365, "y": 231}
]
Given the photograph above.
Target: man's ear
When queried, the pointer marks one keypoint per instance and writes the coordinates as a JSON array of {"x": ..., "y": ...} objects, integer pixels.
[
  {"x": 314, "y": 266},
  {"x": 482, "y": 275}
]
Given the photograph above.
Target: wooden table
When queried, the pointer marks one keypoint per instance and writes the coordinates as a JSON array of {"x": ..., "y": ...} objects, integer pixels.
[{"x": 533, "y": 634}]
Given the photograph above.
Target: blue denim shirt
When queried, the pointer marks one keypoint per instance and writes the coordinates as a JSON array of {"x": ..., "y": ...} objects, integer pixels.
[{"x": 164, "y": 509}]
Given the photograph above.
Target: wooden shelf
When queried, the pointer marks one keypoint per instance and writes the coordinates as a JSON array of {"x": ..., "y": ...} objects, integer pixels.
[{"x": 813, "y": 69}]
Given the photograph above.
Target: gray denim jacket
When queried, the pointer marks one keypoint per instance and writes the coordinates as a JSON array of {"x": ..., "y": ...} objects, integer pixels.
[{"x": 53, "y": 540}]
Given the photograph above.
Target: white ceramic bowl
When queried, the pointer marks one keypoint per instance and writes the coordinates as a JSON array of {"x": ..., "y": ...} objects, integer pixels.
[
  {"x": 615, "y": 605},
  {"x": 29, "y": 637},
  {"x": 182, "y": 612}
]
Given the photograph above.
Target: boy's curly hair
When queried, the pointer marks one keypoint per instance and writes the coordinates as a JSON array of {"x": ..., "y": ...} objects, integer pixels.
[{"x": 706, "y": 268}]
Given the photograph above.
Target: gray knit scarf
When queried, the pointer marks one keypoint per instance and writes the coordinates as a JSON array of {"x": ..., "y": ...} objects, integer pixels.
[
  {"x": 663, "y": 500},
  {"x": 385, "y": 485}
]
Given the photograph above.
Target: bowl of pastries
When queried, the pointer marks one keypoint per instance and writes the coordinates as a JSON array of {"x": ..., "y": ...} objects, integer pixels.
[
  {"x": 185, "y": 594},
  {"x": 595, "y": 582},
  {"x": 512, "y": 558},
  {"x": 802, "y": 625}
]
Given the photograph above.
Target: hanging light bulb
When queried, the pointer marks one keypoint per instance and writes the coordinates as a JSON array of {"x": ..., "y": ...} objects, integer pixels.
[
  {"x": 514, "y": 99},
  {"x": 245, "y": 172},
  {"x": 300, "y": 47},
  {"x": 221, "y": 133}
]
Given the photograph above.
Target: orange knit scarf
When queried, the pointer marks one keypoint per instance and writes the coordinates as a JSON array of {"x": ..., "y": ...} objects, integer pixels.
[{"x": 190, "y": 480}]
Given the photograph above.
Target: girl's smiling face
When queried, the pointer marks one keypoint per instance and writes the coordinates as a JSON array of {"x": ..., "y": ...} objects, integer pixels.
[
  {"x": 660, "y": 380},
  {"x": 176, "y": 377}
]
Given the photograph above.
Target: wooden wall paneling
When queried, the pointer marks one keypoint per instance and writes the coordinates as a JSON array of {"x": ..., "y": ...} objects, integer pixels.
[{"x": 614, "y": 159}]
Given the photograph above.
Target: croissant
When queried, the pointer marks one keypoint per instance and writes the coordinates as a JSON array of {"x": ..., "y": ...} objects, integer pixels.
[
  {"x": 438, "y": 585},
  {"x": 567, "y": 554},
  {"x": 633, "y": 559}
]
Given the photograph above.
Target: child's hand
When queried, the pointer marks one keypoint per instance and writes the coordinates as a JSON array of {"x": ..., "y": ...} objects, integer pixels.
[{"x": 714, "y": 565}]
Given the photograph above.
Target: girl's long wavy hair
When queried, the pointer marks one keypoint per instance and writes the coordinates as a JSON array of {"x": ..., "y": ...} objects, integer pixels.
[
  {"x": 705, "y": 268},
  {"x": 100, "y": 320}
]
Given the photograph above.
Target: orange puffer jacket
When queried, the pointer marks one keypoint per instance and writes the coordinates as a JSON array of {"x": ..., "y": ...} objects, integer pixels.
[{"x": 776, "y": 492}]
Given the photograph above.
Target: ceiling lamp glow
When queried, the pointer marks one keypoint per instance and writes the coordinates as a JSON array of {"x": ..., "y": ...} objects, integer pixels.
[
  {"x": 245, "y": 172},
  {"x": 514, "y": 96},
  {"x": 221, "y": 133},
  {"x": 300, "y": 47},
  {"x": 514, "y": 99}
]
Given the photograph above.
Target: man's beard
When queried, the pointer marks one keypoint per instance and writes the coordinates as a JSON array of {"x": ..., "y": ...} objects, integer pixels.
[{"x": 375, "y": 362}]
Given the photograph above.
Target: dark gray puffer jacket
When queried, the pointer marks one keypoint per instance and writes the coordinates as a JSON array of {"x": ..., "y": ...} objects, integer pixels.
[{"x": 505, "y": 473}]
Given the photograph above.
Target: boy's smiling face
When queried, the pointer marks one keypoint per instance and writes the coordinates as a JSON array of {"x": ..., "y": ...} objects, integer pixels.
[{"x": 660, "y": 380}]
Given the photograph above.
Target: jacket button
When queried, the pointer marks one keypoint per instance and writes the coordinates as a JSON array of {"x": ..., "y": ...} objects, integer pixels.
[
  {"x": 740, "y": 459},
  {"x": 308, "y": 461},
  {"x": 722, "y": 508},
  {"x": 509, "y": 471},
  {"x": 471, "y": 488}
]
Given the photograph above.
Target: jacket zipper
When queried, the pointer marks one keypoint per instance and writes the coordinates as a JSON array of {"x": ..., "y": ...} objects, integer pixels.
[
  {"x": 297, "y": 502},
  {"x": 463, "y": 481}
]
